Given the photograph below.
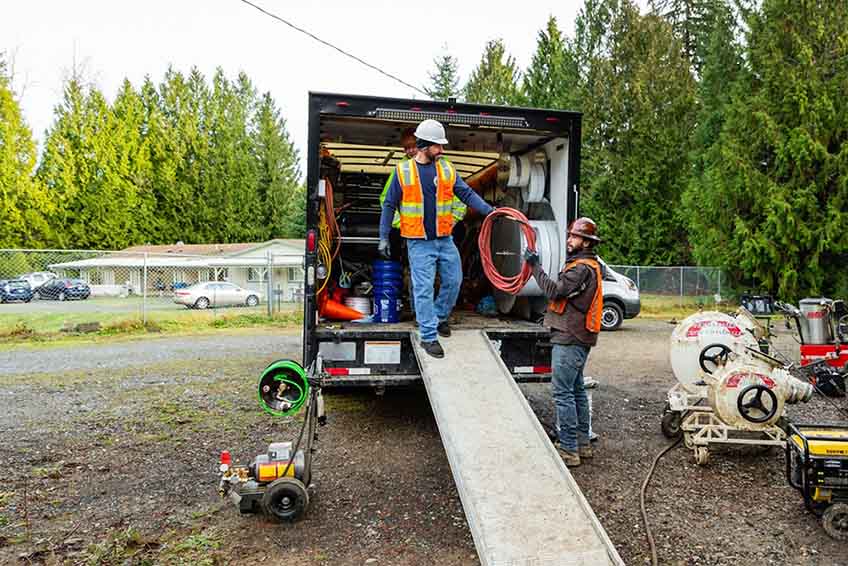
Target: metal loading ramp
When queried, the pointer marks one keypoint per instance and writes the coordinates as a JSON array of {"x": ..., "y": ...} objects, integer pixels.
[{"x": 522, "y": 504}]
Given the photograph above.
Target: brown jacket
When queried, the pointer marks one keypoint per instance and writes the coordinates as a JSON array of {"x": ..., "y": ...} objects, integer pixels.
[{"x": 578, "y": 285}]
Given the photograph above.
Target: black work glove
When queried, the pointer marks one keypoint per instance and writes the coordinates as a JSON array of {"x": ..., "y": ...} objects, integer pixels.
[
  {"x": 384, "y": 250},
  {"x": 531, "y": 257}
]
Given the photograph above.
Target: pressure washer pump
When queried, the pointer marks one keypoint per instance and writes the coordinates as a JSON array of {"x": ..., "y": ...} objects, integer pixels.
[{"x": 277, "y": 481}]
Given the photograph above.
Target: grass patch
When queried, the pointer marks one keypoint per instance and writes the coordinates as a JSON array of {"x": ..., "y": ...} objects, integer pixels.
[
  {"x": 126, "y": 546},
  {"x": 47, "y": 328},
  {"x": 674, "y": 306},
  {"x": 130, "y": 546}
]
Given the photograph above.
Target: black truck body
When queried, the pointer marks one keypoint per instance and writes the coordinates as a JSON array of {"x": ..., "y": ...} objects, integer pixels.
[{"x": 353, "y": 145}]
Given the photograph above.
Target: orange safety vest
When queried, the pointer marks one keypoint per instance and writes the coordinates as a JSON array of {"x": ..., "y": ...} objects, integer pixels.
[
  {"x": 412, "y": 199},
  {"x": 593, "y": 315}
]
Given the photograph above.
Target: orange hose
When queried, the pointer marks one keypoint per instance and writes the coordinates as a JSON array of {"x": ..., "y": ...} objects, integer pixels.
[{"x": 514, "y": 284}]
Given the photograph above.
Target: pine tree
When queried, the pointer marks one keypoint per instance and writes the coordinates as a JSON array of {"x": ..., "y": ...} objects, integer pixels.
[
  {"x": 776, "y": 186},
  {"x": 23, "y": 200},
  {"x": 720, "y": 76},
  {"x": 551, "y": 81},
  {"x": 639, "y": 103},
  {"x": 131, "y": 170},
  {"x": 444, "y": 79},
  {"x": 496, "y": 78},
  {"x": 278, "y": 175},
  {"x": 295, "y": 226},
  {"x": 180, "y": 154},
  {"x": 692, "y": 21}
]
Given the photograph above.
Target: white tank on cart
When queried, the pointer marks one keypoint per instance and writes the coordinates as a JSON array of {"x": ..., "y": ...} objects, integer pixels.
[
  {"x": 698, "y": 331},
  {"x": 744, "y": 386}
]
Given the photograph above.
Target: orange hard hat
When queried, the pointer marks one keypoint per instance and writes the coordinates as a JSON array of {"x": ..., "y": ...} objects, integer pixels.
[{"x": 584, "y": 227}]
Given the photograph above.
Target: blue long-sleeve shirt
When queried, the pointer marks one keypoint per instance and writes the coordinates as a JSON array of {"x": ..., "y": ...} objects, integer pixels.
[{"x": 429, "y": 181}]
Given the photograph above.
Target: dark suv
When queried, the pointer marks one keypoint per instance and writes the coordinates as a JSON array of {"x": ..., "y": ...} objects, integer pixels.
[
  {"x": 15, "y": 290},
  {"x": 62, "y": 289}
]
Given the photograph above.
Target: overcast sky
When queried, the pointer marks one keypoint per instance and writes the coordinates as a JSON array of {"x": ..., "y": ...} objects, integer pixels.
[{"x": 113, "y": 40}]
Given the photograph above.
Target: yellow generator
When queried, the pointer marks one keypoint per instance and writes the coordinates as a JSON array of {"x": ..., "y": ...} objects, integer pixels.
[{"x": 817, "y": 466}]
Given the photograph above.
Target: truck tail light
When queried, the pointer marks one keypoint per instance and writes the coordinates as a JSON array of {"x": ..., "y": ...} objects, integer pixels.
[
  {"x": 226, "y": 458},
  {"x": 311, "y": 240}
]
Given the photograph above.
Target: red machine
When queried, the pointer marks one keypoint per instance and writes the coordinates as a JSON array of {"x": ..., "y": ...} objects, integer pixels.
[{"x": 822, "y": 326}]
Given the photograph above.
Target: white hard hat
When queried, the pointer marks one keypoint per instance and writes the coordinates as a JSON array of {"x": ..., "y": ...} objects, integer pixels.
[{"x": 431, "y": 131}]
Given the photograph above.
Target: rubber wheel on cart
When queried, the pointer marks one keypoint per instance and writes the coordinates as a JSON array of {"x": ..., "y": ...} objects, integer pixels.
[
  {"x": 702, "y": 455},
  {"x": 285, "y": 499},
  {"x": 611, "y": 316},
  {"x": 835, "y": 521},
  {"x": 670, "y": 425}
]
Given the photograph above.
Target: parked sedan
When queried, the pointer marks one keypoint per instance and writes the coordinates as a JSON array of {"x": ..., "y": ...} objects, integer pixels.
[
  {"x": 15, "y": 290},
  {"x": 215, "y": 294},
  {"x": 37, "y": 278},
  {"x": 63, "y": 289}
]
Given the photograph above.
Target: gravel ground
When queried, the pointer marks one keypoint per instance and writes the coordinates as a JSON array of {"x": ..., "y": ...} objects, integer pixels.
[
  {"x": 110, "y": 457},
  {"x": 145, "y": 352}
]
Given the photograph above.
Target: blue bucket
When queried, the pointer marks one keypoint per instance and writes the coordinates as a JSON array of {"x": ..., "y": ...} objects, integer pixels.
[{"x": 387, "y": 281}]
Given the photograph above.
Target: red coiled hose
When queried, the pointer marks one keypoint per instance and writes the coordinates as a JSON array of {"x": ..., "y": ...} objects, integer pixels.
[{"x": 514, "y": 284}]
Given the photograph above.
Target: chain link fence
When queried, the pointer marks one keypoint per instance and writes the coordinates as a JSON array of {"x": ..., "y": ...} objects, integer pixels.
[
  {"x": 680, "y": 285},
  {"x": 54, "y": 288}
]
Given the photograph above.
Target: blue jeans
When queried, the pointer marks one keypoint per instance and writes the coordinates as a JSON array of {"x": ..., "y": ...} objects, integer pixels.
[
  {"x": 570, "y": 401},
  {"x": 425, "y": 256}
]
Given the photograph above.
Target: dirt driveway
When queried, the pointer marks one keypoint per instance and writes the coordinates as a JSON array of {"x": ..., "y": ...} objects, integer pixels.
[{"x": 115, "y": 463}]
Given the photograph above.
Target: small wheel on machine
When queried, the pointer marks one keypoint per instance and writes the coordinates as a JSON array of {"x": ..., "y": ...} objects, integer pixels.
[
  {"x": 714, "y": 355},
  {"x": 702, "y": 455},
  {"x": 750, "y": 403},
  {"x": 670, "y": 425},
  {"x": 611, "y": 316},
  {"x": 285, "y": 499},
  {"x": 835, "y": 521}
]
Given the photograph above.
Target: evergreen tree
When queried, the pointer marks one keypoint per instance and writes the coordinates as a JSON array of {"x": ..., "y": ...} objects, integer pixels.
[
  {"x": 180, "y": 155},
  {"x": 130, "y": 170},
  {"x": 92, "y": 212},
  {"x": 639, "y": 102},
  {"x": 230, "y": 209},
  {"x": 278, "y": 175},
  {"x": 295, "y": 225},
  {"x": 23, "y": 200},
  {"x": 775, "y": 184},
  {"x": 720, "y": 76},
  {"x": 551, "y": 81},
  {"x": 496, "y": 78},
  {"x": 692, "y": 21},
  {"x": 444, "y": 79}
]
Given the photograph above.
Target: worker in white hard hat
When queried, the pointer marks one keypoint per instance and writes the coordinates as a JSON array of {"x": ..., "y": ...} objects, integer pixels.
[{"x": 422, "y": 191}]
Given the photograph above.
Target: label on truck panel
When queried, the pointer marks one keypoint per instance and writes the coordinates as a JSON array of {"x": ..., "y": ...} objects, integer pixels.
[
  {"x": 341, "y": 352},
  {"x": 383, "y": 352}
]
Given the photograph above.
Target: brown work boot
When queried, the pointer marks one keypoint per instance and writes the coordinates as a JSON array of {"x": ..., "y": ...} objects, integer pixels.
[
  {"x": 586, "y": 452},
  {"x": 571, "y": 459}
]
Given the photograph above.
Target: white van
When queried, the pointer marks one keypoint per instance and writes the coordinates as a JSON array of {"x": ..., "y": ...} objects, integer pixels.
[{"x": 621, "y": 299}]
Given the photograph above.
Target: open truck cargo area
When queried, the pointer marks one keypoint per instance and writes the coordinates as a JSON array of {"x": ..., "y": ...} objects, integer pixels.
[{"x": 526, "y": 159}]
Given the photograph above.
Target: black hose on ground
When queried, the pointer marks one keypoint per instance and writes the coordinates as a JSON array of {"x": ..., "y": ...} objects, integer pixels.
[{"x": 642, "y": 499}]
